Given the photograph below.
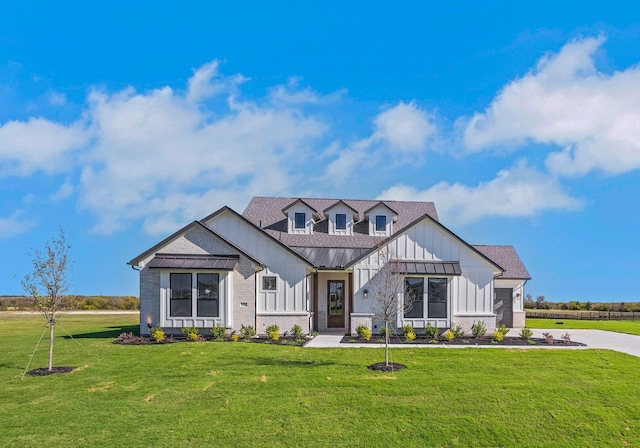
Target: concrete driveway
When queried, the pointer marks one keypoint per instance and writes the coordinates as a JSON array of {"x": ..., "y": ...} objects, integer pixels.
[{"x": 624, "y": 343}]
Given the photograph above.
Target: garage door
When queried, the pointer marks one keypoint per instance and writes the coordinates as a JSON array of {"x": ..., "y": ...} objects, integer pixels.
[{"x": 503, "y": 306}]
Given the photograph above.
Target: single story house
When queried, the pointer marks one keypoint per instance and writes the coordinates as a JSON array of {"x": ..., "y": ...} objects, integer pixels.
[{"x": 311, "y": 262}]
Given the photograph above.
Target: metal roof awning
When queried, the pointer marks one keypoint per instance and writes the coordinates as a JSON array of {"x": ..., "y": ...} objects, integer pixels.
[
  {"x": 330, "y": 257},
  {"x": 218, "y": 262},
  {"x": 427, "y": 268}
]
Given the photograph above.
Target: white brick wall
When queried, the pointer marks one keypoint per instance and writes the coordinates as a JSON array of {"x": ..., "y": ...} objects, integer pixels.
[{"x": 198, "y": 241}]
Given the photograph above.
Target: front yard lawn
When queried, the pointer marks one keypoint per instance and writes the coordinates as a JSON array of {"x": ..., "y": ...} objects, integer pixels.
[
  {"x": 619, "y": 326},
  {"x": 240, "y": 394}
]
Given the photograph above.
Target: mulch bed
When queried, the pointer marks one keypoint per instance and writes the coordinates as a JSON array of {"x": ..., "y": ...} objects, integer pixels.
[
  {"x": 467, "y": 341},
  {"x": 131, "y": 339},
  {"x": 44, "y": 371},
  {"x": 382, "y": 367}
]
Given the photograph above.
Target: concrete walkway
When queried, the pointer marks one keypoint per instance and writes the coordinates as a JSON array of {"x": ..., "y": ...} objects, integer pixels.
[{"x": 624, "y": 343}]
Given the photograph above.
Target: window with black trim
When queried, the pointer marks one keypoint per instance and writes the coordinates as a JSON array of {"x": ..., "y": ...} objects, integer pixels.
[
  {"x": 208, "y": 295},
  {"x": 268, "y": 283},
  {"x": 341, "y": 221},
  {"x": 180, "y": 297},
  {"x": 414, "y": 297},
  {"x": 300, "y": 220},
  {"x": 381, "y": 223},
  {"x": 437, "y": 296}
]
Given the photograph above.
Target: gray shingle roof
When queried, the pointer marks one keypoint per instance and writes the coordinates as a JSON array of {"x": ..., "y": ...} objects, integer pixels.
[
  {"x": 266, "y": 213},
  {"x": 506, "y": 257}
]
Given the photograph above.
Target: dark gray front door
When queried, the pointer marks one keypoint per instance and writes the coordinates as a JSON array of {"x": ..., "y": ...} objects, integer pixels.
[
  {"x": 503, "y": 306},
  {"x": 335, "y": 308}
]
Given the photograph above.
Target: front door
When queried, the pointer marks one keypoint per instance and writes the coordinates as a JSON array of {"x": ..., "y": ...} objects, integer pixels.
[{"x": 335, "y": 307}]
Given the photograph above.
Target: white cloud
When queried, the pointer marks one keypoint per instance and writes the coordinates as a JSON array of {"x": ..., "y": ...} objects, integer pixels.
[
  {"x": 567, "y": 103},
  {"x": 292, "y": 94},
  {"x": 63, "y": 192},
  {"x": 520, "y": 191},
  {"x": 161, "y": 158},
  {"x": 57, "y": 99},
  {"x": 402, "y": 132},
  {"x": 200, "y": 85},
  {"x": 405, "y": 128},
  {"x": 14, "y": 225},
  {"x": 39, "y": 144}
]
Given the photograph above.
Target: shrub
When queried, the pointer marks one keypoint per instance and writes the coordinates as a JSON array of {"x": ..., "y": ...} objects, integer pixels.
[
  {"x": 296, "y": 332},
  {"x": 129, "y": 338},
  {"x": 410, "y": 336},
  {"x": 363, "y": 332},
  {"x": 498, "y": 335},
  {"x": 566, "y": 337},
  {"x": 273, "y": 331},
  {"x": 157, "y": 334},
  {"x": 431, "y": 331},
  {"x": 218, "y": 332},
  {"x": 548, "y": 337},
  {"x": 478, "y": 329},
  {"x": 449, "y": 335},
  {"x": 247, "y": 332},
  {"x": 526, "y": 333},
  {"x": 382, "y": 332},
  {"x": 457, "y": 331},
  {"x": 408, "y": 329},
  {"x": 191, "y": 333},
  {"x": 235, "y": 337}
]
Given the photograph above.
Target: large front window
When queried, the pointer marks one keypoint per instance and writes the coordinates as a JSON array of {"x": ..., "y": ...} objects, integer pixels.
[
  {"x": 180, "y": 295},
  {"x": 436, "y": 298},
  {"x": 208, "y": 295},
  {"x": 205, "y": 287},
  {"x": 414, "y": 297}
]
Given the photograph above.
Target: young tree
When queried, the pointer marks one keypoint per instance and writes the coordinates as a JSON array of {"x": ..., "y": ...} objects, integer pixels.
[
  {"x": 389, "y": 296},
  {"x": 49, "y": 281}
]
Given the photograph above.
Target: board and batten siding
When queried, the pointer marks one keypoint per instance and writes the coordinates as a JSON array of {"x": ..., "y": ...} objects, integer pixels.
[
  {"x": 469, "y": 294},
  {"x": 291, "y": 285}
]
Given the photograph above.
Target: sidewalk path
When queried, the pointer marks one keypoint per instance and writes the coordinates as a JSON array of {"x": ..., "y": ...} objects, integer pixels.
[{"x": 624, "y": 343}]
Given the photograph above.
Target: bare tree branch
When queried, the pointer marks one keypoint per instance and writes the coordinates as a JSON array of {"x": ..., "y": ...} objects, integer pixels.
[{"x": 49, "y": 281}]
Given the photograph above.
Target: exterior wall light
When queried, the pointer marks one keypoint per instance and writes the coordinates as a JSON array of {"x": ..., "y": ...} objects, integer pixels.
[{"x": 365, "y": 294}]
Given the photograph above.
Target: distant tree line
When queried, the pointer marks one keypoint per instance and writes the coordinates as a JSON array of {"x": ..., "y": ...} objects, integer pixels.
[
  {"x": 74, "y": 302},
  {"x": 540, "y": 303}
]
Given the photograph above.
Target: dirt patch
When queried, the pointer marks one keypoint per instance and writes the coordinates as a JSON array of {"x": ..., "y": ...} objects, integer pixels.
[
  {"x": 44, "y": 371},
  {"x": 382, "y": 367}
]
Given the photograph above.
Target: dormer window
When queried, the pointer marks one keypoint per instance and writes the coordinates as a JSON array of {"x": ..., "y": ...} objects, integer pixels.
[
  {"x": 341, "y": 221},
  {"x": 301, "y": 217},
  {"x": 300, "y": 220},
  {"x": 381, "y": 218}
]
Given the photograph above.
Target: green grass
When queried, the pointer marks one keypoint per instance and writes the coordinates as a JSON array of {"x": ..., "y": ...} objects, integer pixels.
[
  {"x": 239, "y": 394},
  {"x": 619, "y": 326}
]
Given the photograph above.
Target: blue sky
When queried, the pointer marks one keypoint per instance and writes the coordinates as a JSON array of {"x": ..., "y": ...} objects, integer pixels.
[{"x": 121, "y": 123}]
